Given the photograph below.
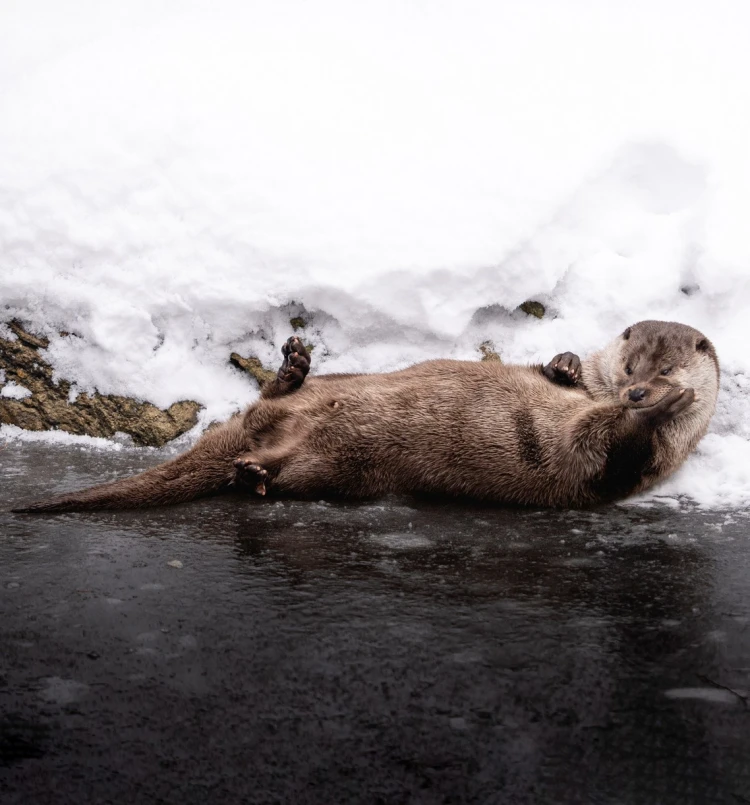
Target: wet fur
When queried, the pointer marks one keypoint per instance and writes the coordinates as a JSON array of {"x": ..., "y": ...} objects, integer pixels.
[{"x": 542, "y": 436}]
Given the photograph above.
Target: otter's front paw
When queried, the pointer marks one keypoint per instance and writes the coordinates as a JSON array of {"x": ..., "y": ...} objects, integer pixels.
[
  {"x": 248, "y": 473},
  {"x": 668, "y": 407},
  {"x": 564, "y": 369}
]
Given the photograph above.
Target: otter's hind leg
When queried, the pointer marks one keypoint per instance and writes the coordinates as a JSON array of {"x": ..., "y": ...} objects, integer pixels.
[
  {"x": 293, "y": 370},
  {"x": 289, "y": 472}
]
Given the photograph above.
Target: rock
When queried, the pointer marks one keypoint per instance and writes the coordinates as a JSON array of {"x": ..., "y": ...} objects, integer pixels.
[
  {"x": 487, "y": 348},
  {"x": 297, "y": 322},
  {"x": 533, "y": 309},
  {"x": 254, "y": 367},
  {"x": 49, "y": 407}
]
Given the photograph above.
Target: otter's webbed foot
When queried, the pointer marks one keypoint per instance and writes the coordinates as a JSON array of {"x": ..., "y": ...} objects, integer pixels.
[
  {"x": 564, "y": 369},
  {"x": 249, "y": 474},
  {"x": 293, "y": 370},
  {"x": 668, "y": 407}
]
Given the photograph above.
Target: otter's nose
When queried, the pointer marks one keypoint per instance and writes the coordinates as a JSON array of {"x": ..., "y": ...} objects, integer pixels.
[{"x": 636, "y": 395}]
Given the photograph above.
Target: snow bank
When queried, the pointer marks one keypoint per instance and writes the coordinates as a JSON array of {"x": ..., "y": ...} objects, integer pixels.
[{"x": 179, "y": 179}]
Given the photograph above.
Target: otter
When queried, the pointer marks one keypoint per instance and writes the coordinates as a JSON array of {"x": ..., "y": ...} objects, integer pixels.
[{"x": 569, "y": 434}]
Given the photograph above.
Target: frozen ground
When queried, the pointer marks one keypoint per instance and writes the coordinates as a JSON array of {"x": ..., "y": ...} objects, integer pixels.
[
  {"x": 227, "y": 651},
  {"x": 179, "y": 179}
]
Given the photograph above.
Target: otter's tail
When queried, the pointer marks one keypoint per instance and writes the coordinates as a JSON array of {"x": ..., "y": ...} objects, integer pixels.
[{"x": 204, "y": 470}]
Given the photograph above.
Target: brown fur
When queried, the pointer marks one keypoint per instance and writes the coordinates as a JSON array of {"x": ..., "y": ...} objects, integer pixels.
[{"x": 486, "y": 431}]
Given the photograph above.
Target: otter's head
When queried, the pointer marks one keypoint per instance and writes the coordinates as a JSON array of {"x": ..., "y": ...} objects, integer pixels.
[{"x": 652, "y": 357}]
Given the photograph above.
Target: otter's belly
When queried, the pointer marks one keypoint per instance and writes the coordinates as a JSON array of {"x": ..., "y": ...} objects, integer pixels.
[{"x": 498, "y": 441}]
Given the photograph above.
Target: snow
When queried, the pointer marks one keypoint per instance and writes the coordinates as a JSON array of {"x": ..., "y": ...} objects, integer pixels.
[
  {"x": 14, "y": 391},
  {"x": 179, "y": 179},
  {"x": 58, "y": 437}
]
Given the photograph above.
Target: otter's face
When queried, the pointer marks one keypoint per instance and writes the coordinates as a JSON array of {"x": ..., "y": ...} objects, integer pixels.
[{"x": 655, "y": 357}]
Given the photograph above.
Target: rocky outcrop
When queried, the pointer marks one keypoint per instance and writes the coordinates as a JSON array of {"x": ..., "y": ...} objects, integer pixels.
[
  {"x": 532, "y": 308},
  {"x": 49, "y": 405},
  {"x": 253, "y": 367}
]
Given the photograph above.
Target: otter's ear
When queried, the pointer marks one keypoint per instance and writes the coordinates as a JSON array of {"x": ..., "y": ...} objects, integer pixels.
[
  {"x": 702, "y": 345},
  {"x": 626, "y": 334}
]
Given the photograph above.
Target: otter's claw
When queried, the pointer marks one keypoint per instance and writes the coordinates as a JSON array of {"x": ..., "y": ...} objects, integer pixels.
[{"x": 293, "y": 344}]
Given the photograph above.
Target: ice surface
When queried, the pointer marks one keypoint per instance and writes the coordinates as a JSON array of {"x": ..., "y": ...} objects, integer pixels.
[{"x": 179, "y": 179}]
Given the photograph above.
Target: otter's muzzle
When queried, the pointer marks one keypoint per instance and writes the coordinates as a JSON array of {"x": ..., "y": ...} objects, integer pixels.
[{"x": 646, "y": 395}]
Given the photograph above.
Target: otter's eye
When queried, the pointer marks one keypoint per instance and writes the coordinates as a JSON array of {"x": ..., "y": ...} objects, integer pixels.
[
  {"x": 628, "y": 370},
  {"x": 666, "y": 371}
]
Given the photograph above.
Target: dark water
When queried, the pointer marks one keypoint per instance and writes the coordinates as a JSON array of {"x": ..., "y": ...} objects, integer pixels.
[{"x": 398, "y": 653}]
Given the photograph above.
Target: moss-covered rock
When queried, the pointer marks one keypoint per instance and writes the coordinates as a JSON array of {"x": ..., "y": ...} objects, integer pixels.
[
  {"x": 531, "y": 308},
  {"x": 253, "y": 367},
  {"x": 49, "y": 406},
  {"x": 298, "y": 323}
]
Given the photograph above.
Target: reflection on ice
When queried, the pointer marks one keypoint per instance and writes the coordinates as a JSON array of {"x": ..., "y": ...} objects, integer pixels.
[
  {"x": 401, "y": 541},
  {"x": 710, "y": 695}
]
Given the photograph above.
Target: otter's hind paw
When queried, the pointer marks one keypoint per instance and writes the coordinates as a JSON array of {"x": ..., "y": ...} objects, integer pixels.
[
  {"x": 296, "y": 363},
  {"x": 248, "y": 473},
  {"x": 293, "y": 370}
]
